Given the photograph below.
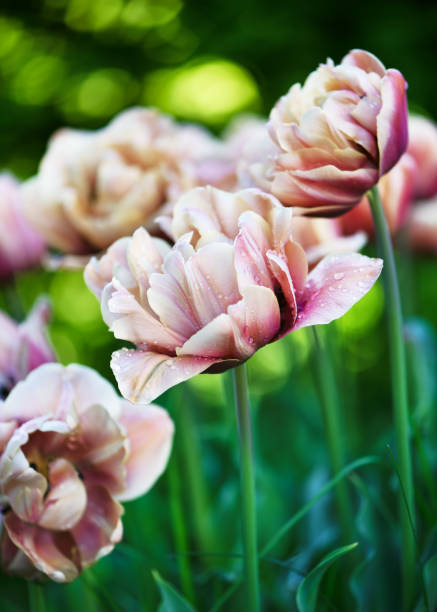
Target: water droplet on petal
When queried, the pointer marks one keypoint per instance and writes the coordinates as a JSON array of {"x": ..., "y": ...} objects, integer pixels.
[{"x": 339, "y": 275}]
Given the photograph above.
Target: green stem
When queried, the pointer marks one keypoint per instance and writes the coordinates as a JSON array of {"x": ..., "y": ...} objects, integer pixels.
[
  {"x": 331, "y": 415},
  {"x": 36, "y": 597},
  {"x": 190, "y": 454},
  {"x": 242, "y": 406},
  {"x": 399, "y": 390},
  {"x": 179, "y": 531}
]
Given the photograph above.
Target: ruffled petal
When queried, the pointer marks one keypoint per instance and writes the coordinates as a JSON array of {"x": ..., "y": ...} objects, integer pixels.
[
  {"x": 66, "y": 500},
  {"x": 100, "y": 527},
  {"x": 334, "y": 286},
  {"x": 143, "y": 375},
  {"x": 257, "y": 316},
  {"x": 392, "y": 121},
  {"x": 99, "y": 449},
  {"x": 149, "y": 430},
  {"x": 50, "y": 551}
]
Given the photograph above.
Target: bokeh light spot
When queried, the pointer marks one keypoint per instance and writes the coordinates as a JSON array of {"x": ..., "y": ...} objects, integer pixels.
[
  {"x": 97, "y": 15},
  {"x": 74, "y": 303},
  {"x": 143, "y": 14},
  {"x": 210, "y": 92},
  {"x": 102, "y": 93},
  {"x": 38, "y": 80}
]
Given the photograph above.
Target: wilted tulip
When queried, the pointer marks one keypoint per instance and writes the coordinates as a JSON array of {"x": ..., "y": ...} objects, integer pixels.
[
  {"x": 20, "y": 246},
  {"x": 24, "y": 346},
  {"x": 336, "y": 135},
  {"x": 396, "y": 191},
  {"x": 223, "y": 291},
  {"x": 94, "y": 187},
  {"x": 71, "y": 449},
  {"x": 422, "y": 146}
]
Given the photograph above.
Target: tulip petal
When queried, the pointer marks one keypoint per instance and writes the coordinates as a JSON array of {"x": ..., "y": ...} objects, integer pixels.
[
  {"x": 66, "y": 500},
  {"x": 257, "y": 315},
  {"x": 54, "y": 396},
  {"x": 128, "y": 320},
  {"x": 150, "y": 433},
  {"x": 100, "y": 527},
  {"x": 392, "y": 121},
  {"x": 101, "y": 449},
  {"x": 14, "y": 561},
  {"x": 143, "y": 375},
  {"x": 44, "y": 548},
  {"x": 219, "y": 339},
  {"x": 334, "y": 286}
]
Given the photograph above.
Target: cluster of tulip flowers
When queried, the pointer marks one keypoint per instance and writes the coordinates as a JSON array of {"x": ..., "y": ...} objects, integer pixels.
[{"x": 201, "y": 251}]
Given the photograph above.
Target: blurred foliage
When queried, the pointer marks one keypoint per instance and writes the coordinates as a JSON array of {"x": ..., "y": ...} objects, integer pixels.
[{"x": 77, "y": 63}]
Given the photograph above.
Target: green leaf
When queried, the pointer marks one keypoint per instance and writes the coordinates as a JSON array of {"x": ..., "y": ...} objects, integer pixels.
[
  {"x": 430, "y": 576},
  {"x": 172, "y": 601},
  {"x": 308, "y": 590}
]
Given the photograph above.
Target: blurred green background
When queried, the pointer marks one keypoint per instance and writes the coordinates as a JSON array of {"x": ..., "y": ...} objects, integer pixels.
[{"x": 77, "y": 63}]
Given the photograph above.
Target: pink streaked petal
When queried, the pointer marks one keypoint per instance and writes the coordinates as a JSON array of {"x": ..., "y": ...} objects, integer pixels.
[
  {"x": 324, "y": 185},
  {"x": 44, "y": 548},
  {"x": 101, "y": 449},
  {"x": 128, "y": 320},
  {"x": 143, "y": 375},
  {"x": 219, "y": 339},
  {"x": 99, "y": 272},
  {"x": 44, "y": 392},
  {"x": 257, "y": 316},
  {"x": 34, "y": 332},
  {"x": 145, "y": 255},
  {"x": 392, "y": 121},
  {"x": 14, "y": 561},
  {"x": 251, "y": 246},
  {"x": 149, "y": 430},
  {"x": 297, "y": 264},
  {"x": 280, "y": 270},
  {"x": 66, "y": 500},
  {"x": 334, "y": 286},
  {"x": 91, "y": 388},
  {"x": 99, "y": 529},
  {"x": 364, "y": 60}
]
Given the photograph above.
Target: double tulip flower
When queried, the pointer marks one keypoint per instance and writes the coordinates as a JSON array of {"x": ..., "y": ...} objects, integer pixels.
[{"x": 234, "y": 281}]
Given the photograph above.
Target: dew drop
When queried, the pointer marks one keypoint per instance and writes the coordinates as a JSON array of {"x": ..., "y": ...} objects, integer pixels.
[{"x": 339, "y": 275}]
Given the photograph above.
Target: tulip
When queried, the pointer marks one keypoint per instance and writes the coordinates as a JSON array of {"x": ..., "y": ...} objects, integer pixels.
[
  {"x": 422, "y": 147},
  {"x": 71, "y": 450},
  {"x": 423, "y": 226},
  {"x": 336, "y": 135},
  {"x": 214, "y": 298},
  {"x": 20, "y": 246},
  {"x": 94, "y": 187},
  {"x": 24, "y": 346}
]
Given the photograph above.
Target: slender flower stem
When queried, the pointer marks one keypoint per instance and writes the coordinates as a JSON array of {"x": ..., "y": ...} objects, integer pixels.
[
  {"x": 179, "y": 530},
  {"x": 191, "y": 456},
  {"x": 331, "y": 415},
  {"x": 399, "y": 390},
  {"x": 36, "y": 597},
  {"x": 242, "y": 407}
]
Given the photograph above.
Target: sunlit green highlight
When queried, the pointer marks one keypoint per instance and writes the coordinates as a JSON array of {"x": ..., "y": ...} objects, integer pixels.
[{"x": 210, "y": 91}]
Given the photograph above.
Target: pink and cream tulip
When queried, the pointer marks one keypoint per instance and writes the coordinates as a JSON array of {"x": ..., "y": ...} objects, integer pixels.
[
  {"x": 422, "y": 146},
  {"x": 94, "y": 187},
  {"x": 24, "y": 346},
  {"x": 71, "y": 450},
  {"x": 336, "y": 135},
  {"x": 235, "y": 282},
  {"x": 21, "y": 246}
]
